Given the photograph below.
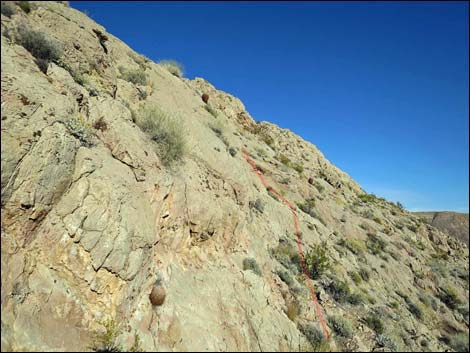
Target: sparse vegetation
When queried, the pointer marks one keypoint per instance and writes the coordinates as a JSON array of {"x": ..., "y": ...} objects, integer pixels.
[
  {"x": 267, "y": 139},
  {"x": 365, "y": 274},
  {"x": 8, "y": 9},
  {"x": 250, "y": 264},
  {"x": 136, "y": 76},
  {"x": 356, "y": 277},
  {"x": 341, "y": 292},
  {"x": 43, "y": 48},
  {"x": 174, "y": 67},
  {"x": 375, "y": 323},
  {"x": 459, "y": 342},
  {"x": 341, "y": 326},
  {"x": 449, "y": 296},
  {"x": 283, "y": 159},
  {"x": 25, "y": 6},
  {"x": 165, "y": 130},
  {"x": 298, "y": 167},
  {"x": 232, "y": 151},
  {"x": 211, "y": 110},
  {"x": 308, "y": 207},
  {"x": 386, "y": 342},
  {"x": 106, "y": 341},
  {"x": 136, "y": 347},
  {"x": 80, "y": 128},
  {"x": 288, "y": 256},
  {"x": 316, "y": 261},
  {"x": 285, "y": 277},
  {"x": 356, "y": 246},
  {"x": 375, "y": 244},
  {"x": 315, "y": 337},
  {"x": 259, "y": 205}
]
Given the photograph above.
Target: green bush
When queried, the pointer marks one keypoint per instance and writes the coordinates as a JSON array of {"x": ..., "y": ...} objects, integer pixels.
[
  {"x": 8, "y": 9},
  {"x": 375, "y": 323},
  {"x": 356, "y": 246},
  {"x": 284, "y": 160},
  {"x": 299, "y": 168},
  {"x": 341, "y": 292},
  {"x": 25, "y": 6},
  {"x": 356, "y": 277},
  {"x": 375, "y": 244},
  {"x": 459, "y": 342},
  {"x": 165, "y": 130},
  {"x": 449, "y": 296},
  {"x": 251, "y": 264},
  {"x": 137, "y": 76},
  {"x": 365, "y": 274},
  {"x": 414, "y": 309},
  {"x": 314, "y": 336},
  {"x": 285, "y": 277},
  {"x": 43, "y": 48},
  {"x": 316, "y": 261},
  {"x": 308, "y": 207},
  {"x": 288, "y": 256},
  {"x": 341, "y": 326},
  {"x": 387, "y": 342},
  {"x": 174, "y": 67},
  {"x": 106, "y": 341}
]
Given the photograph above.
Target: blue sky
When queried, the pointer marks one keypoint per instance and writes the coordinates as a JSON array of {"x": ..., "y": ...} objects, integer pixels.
[{"x": 381, "y": 88}]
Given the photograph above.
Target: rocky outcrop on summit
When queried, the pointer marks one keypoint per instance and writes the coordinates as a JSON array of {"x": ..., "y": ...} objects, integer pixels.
[{"x": 96, "y": 228}]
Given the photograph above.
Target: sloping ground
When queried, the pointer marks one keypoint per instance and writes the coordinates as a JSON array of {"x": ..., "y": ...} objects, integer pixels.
[
  {"x": 453, "y": 223},
  {"x": 93, "y": 220}
]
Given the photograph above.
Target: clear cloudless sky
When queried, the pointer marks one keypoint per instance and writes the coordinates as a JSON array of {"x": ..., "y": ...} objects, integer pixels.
[{"x": 381, "y": 88}]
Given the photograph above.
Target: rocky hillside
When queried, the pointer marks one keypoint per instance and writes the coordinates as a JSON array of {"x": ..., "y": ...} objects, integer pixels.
[
  {"x": 454, "y": 223},
  {"x": 131, "y": 219}
]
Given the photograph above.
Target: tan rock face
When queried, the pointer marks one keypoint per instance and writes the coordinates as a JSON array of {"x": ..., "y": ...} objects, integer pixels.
[{"x": 92, "y": 219}]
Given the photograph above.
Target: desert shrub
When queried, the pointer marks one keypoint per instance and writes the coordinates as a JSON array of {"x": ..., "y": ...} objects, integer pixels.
[
  {"x": 375, "y": 323},
  {"x": 341, "y": 292},
  {"x": 165, "y": 130},
  {"x": 136, "y": 77},
  {"x": 386, "y": 342},
  {"x": 267, "y": 139},
  {"x": 316, "y": 261},
  {"x": 250, "y": 264},
  {"x": 412, "y": 227},
  {"x": 375, "y": 244},
  {"x": 25, "y": 6},
  {"x": 319, "y": 187},
  {"x": 414, "y": 309},
  {"x": 106, "y": 341},
  {"x": 259, "y": 205},
  {"x": 377, "y": 220},
  {"x": 341, "y": 326},
  {"x": 139, "y": 59},
  {"x": 285, "y": 277},
  {"x": 367, "y": 197},
  {"x": 449, "y": 296},
  {"x": 356, "y": 277},
  {"x": 293, "y": 309},
  {"x": 43, "y": 48},
  {"x": 283, "y": 159},
  {"x": 356, "y": 246},
  {"x": 211, "y": 110},
  {"x": 288, "y": 256},
  {"x": 308, "y": 207},
  {"x": 80, "y": 128},
  {"x": 459, "y": 342},
  {"x": 314, "y": 335},
  {"x": 232, "y": 151},
  {"x": 298, "y": 167},
  {"x": 8, "y": 9},
  {"x": 365, "y": 274},
  {"x": 136, "y": 347},
  {"x": 142, "y": 95},
  {"x": 174, "y": 67}
]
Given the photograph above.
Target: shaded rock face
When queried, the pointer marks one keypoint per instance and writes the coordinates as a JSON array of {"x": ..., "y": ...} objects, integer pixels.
[
  {"x": 92, "y": 219},
  {"x": 453, "y": 223}
]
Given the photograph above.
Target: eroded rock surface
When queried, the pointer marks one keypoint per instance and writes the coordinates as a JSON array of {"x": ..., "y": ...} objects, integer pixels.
[{"x": 92, "y": 219}]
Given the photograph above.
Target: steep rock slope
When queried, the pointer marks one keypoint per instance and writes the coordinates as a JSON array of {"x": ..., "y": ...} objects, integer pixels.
[
  {"x": 454, "y": 223},
  {"x": 93, "y": 220}
]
